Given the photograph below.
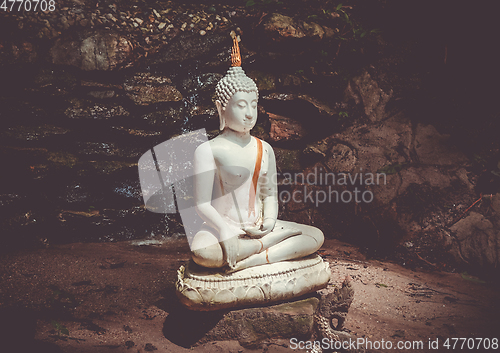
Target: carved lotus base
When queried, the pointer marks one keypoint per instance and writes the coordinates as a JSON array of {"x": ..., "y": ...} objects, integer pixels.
[{"x": 203, "y": 289}]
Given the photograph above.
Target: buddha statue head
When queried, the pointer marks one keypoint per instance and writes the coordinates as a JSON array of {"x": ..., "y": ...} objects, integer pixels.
[{"x": 234, "y": 82}]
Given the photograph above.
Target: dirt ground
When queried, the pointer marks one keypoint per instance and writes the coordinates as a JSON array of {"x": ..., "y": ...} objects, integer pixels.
[{"x": 119, "y": 297}]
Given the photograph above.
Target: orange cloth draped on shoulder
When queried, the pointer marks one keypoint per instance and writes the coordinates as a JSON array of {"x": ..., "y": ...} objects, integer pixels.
[{"x": 255, "y": 178}]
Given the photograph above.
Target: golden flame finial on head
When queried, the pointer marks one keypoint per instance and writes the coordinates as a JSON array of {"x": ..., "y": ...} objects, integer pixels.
[
  {"x": 235, "y": 53},
  {"x": 235, "y": 79}
]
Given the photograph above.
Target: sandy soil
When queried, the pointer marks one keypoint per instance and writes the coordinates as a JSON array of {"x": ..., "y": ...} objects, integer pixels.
[{"x": 118, "y": 297}]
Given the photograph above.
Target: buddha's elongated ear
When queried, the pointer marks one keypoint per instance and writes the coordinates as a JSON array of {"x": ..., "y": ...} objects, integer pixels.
[{"x": 222, "y": 121}]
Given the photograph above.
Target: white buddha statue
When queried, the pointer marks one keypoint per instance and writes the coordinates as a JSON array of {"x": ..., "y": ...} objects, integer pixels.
[{"x": 236, "y": 188}]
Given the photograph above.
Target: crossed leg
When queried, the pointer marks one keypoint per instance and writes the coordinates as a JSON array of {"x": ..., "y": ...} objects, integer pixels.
[{"x": 276, "y": 246}]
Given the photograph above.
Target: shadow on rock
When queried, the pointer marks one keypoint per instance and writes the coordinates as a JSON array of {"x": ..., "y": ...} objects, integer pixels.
[
  {"x": 185, "y": 327},
  {"x": 18, "y": 332},
  {"x": 182, "y": 326}
]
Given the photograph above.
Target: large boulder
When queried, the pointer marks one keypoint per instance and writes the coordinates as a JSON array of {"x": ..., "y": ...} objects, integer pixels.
[
  {"x": 95, "y": 50},
  {"x": 391, "y": 181},
  {"x": 476, "y": 241}
]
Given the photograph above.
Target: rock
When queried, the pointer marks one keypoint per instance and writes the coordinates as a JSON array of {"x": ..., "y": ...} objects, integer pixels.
[
  {"x": 316, "y": 152},
  {"x": 137, "y": 132},
  {"x": 320, "y": 146},
  {"x": 34, "y": 133},
  {"x": 128, "y": 190},
  {"x": 102, "y": 94},
  {"x": 330, "y": 32},
  {"x": 289, "y": 33},
  {"x": 285, "y": 129},
  {"x": 379, "y": 145},
  {"x": 265, "y": 81},
  {"x": 281, "y": 27},
  {"x": 107, "y": 149},
  {"x": 18, "y": 52},
  {"x": 287, "y": 160},
  {"x": 364, "y": 90},
  {"x": 145, "y": 89},
  {"x": 203, "y": 86},
  {"x": 189, "y": 46},
  {"x": 249, "y": 326},
  {"x": 308, "y": 111},
  {"x": 99, "y": 85},
  {"x": 22, "y": 157},
  {"x": 202, "y": 118},
  {"x": 476, "y": 242},
  {"x": 259, "y": 130},
  {"x": 104, "y": 167},
  {"x": 495, "y": 205},
  {"x": 55, "y": 81},
  {"x": 77, "y": 193},
  {"x": 9, "y": 199},
  {"x": 313, "y": 30},
  {"x": 342, "y": 159},
  {"x": 167, "y": 118},
  {"x": 291, "y": 81},
  {"x": 252, "y": 326},
  {"x": 84, "y": 109},
  {"x": 391, "y": 148},
  {"x": 435, "y": 148},
  {"x": 95, "y": 50},
  {"x": 62, "y": 159},
  {"x": 401, "y": 190}
]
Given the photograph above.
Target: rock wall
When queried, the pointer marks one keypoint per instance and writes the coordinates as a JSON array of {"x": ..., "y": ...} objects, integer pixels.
[{"x": 91, "y": 87}]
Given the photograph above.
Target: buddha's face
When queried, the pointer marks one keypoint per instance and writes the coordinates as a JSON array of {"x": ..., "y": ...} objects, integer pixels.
[{"x": 241, "y": 111}]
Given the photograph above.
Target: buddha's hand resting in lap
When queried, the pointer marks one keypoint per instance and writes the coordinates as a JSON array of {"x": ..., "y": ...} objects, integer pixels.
[
  {"x": 258, "y": 232},
  {"x": 230, "y": 246}
]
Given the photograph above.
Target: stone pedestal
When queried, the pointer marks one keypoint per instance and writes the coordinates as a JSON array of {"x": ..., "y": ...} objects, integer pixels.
[
  {"x": 203, "y": 289},
  {"x": 252, "y": 326}
]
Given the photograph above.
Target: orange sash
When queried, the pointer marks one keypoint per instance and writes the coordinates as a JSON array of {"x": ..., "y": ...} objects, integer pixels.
[{"x": 255, "y": 178}]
